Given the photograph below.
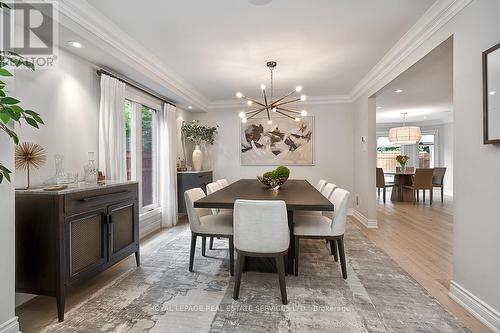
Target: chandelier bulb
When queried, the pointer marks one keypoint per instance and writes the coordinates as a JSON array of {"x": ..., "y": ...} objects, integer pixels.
[
  {"x": 243, "y": 120},
  {"x": 303, "y": 97},
  {"x": 303, "y": 113},
  {"x": 297, "y": 119},
  {"x": 242, "y": 114},
  {"x": 269, "y": 121},
  {"x": 273, "y": 109},
  {"x": 262, "y": 87},
  {"x": 298, "y": 88},
  {"x": 239, "y": 95},
  {"x": 249, "y": 103}
]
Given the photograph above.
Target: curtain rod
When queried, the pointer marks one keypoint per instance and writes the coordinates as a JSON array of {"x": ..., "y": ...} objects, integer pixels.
[{"x": 135, "y": 85}]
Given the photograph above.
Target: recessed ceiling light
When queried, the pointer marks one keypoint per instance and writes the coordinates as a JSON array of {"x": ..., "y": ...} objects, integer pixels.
[
  {"x": 492, "y": 92},
  {"x": 379, "y": 107},
  {"x": 190, "y": 107},
  {"x": 74, "y": 44},
  {"x": 398, "y": 91},
  {"x": 260, "y": 2}
]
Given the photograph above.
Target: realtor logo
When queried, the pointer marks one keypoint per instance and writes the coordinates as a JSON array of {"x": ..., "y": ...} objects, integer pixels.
[{"x": 29, "y": 28}]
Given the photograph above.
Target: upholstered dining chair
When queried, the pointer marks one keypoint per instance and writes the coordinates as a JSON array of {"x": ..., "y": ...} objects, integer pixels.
[
  {"x": 422, "y": 181},
  {"x": 204, "y": 224},
  {"x": 211, "y": 188},
  {"x": 321, "y": 184},
  {"x": 438, "y": 180},
  {"x": 381, "y": 183},
  {"x": 261, "y": 230},
  {"x": 222, "y": 182},
  {"x": 327, "y": 191},
  {"x": 321, "y": 227}
]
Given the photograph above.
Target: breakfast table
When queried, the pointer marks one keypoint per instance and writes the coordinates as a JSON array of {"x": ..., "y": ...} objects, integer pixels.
[{"x": 400, "y": 193}]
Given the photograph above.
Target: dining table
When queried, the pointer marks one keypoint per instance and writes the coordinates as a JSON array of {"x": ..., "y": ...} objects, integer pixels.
[
  {"x": 298, "y": 194},
  {"x": 399, "y": 192}
]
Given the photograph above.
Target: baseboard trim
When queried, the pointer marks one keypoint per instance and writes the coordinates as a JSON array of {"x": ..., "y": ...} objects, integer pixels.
[
  {"x": 479, "y": 309},
  {"x": 10, "y": 326},
  {"x": 369, "y": 223}
]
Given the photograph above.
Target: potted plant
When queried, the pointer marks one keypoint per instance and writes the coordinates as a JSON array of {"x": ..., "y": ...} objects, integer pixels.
[
  {"x": 402, "y": 160},
  {"x": 197, "y": 133}
]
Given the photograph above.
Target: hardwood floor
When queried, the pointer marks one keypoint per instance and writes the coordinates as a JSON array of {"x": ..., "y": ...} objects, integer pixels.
[{"x": 419, "y": 237}]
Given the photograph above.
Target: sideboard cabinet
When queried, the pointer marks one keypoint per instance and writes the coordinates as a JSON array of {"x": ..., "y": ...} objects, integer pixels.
[
  {"x": 187, "y": 180},
  {"x": 66, "y": 237}
]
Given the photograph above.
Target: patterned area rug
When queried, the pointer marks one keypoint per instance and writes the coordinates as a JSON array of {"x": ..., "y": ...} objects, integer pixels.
[{"x": 162, "y": 296}]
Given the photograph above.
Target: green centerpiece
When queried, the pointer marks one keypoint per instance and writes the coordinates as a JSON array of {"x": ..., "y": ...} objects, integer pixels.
[{"x": 275, "y": 178}]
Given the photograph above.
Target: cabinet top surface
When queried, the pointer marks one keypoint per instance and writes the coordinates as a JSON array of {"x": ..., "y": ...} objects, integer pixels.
[
  {"x": 202, "y": 171},
  {"x": 80, "y": 187}
]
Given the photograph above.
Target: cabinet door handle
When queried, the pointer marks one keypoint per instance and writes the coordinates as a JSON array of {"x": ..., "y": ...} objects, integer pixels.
[{"x": 103, "y": 196}]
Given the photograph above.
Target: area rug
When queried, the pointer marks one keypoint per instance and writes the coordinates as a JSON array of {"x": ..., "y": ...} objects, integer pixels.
[{"x": 163, "y": 296}]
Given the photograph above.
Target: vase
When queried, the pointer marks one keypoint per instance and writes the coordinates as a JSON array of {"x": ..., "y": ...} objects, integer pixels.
[
  {"x": 197, "y": 158},
  {"x": 403, "y": 168}
]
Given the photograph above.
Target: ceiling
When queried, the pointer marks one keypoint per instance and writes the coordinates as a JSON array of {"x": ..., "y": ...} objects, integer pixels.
[
  {"x": 427, "y": 90},
  {"x": 219, "y": 47}
]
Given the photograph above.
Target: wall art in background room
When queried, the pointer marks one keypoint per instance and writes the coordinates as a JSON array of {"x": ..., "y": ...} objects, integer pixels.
[{"x": 284, "y": 141}]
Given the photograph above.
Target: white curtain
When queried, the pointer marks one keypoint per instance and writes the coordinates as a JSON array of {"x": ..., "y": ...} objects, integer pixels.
[
  {"x": 168, "y": 172},
  {"x": 112, "y": 145}
]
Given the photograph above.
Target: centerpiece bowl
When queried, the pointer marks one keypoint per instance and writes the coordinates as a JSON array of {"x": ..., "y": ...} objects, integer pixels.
[{"x": 273, "y": 180}]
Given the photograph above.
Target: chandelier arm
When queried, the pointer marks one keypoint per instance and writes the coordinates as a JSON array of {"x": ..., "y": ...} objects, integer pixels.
[
  {"x": 282, "y": 98},
  {"x": 287, "y": 110},
  {"x": 284, "y": 114},
  {"x": 254, "y": 114},
  {"x": 254, "y": 101},
  {"x": 265, "y": 98},
  {"x": 290, "y": 101},
  {"x": 256, "y": 110}
]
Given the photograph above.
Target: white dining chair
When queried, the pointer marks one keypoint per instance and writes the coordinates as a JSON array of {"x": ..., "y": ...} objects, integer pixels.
[
  {"x": 211, "y": 188},
  {"x": 322, "y": 227},
  {"x": 321, "y": 184},
  {"x": 261, "y": 230},
  {"x": 204, "y": 224},
  {"x": 222, "y": 182},
  {"x": 327, "y": 191}
]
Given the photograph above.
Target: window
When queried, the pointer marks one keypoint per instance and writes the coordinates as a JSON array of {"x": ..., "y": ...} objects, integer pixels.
[
  {"x": 142, "y": 152},
  {"x": 386, "y": 154},
  {"x": 426, "y": 151}
]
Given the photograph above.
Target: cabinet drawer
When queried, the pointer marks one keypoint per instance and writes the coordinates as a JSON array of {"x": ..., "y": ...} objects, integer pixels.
[
  {"x": 205, "y": 178},
  {"x": 79, "y": 202}
]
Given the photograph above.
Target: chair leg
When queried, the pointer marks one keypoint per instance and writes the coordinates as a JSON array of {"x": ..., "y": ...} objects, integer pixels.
[
  {"x": 431, "y": 192},
  {"x": 280, "y": 262},
  {"x": 384, "y": 193},
  {"x": 378, "y": 189},
  {"x": 191, "y": 252},
  {"x": 442, "y": 194},
  {"x": 423, "y": 191},
  {"x": 418, "y": 195},
  {"x": 211, "y": 246},
  {"x": 240, "y": 263},
  {"x": 340, "y": 243},
  {"x": 296, "y": 249},
  {"x": 333, "y": 249},
  {"x": 231, "y": 256},
  {"x": 203, "y": 245}
]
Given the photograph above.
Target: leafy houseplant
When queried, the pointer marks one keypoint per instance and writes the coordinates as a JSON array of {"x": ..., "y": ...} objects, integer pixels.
[
  {"x": 402, "y": 160},
  {"x": 275, "y": 178},
  {"x": 9, "y": 106},
  {"x": 197, "y": 133}
]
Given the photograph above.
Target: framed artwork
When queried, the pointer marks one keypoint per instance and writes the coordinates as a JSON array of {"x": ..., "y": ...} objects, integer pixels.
[{"x": 284, "y": 142}]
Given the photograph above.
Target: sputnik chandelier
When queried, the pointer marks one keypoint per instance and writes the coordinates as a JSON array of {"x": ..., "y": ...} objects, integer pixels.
[{"x": 269, "y": 105}]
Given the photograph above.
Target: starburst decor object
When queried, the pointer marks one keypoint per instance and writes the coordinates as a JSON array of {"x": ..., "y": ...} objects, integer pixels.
[
  {"x": 269, "y": 105},
  {"x": 29, "y": 155}
]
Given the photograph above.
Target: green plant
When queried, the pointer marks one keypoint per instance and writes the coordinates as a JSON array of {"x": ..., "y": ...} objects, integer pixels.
[
  {"x": 279, "y": 172},
  {"x": 9, "y": 106},
  {"x": 199, "y": 133}
]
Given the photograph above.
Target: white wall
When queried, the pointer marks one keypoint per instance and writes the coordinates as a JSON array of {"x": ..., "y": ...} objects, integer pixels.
[
  {"x": 476, "y": 191},
  {"x": 7, "y": 237},
  {"x": 333, "y": 146},
  {"x": 67, "y": 98}
]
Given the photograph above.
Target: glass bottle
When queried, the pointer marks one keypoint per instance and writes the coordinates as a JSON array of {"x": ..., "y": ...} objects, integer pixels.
[
  {"x": 60, "y": 176},
  {"x": 91, "y": 170}
]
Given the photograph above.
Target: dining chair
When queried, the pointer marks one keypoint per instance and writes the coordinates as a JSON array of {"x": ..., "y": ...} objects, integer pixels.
[
  {"x": 408, "y": 169},
  {"x": 321, "y": 227},
  {"x": 261, "y": 230},
  {"x": 438, "y": 180},
  {"x": 422, "y": 181},
  {"x": 321, "y": 184},
  {"x": 204, "y": 224},
  {"x": 211, "y": 188},
  {"x": 222, "y": 182},
  {"x": 381, "y": 183},
  {"x": 327, "y": 191}
]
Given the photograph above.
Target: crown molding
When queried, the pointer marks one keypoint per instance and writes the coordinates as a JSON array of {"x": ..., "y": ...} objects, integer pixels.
[
  {"x": 433, "y": 19},
  {"x": 115, "y": 41}
]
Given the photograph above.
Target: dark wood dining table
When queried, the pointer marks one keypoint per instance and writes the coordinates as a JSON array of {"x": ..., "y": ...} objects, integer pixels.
[
  {"x": 400, "y": 193},
  {"x": 298, "y": 194}
]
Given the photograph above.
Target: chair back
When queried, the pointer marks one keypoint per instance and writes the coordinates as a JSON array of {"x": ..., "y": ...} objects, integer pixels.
[
  {"x": 408, "y": 169},
  {"x": 380, "y": 177},
  {"x": 211, "y": 188},
  {"x": 194, "y": 214},
  {"x": 328, "y": 189},
  {"x": 260, "y": 226},
  {"x": 340, "y": 200},
  {"x": 321, "y": 184},
  {"x": 222, "y": 182},
  {"x": 423, "y": 178},
  {"x": 438, "y": 176}
]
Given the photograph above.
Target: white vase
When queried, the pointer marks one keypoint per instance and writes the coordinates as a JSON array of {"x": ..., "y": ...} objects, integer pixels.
[{"x": 197, "y": 158}]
